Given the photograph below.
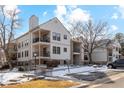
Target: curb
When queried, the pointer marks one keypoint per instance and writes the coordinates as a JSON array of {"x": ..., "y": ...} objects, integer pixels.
[{"x": 80, "y": 86}]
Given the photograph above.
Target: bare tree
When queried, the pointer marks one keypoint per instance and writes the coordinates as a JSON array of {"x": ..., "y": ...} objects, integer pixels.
[
  {"x": 91, "y": 35},
  {"x": 119, "y": 37},
  {"x": 9, "y": 21}
]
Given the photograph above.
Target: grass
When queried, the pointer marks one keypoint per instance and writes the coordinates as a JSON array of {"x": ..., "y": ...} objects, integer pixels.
[{"x": 43, "y": 84}]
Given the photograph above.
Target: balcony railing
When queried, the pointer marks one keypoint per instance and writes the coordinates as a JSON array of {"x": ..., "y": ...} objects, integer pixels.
[
  {"x": 36, "y": 52},
  {"x": 35, "y": 40},
  {"x": 42, "y": 39},
  {"x": 43, "y": 53},
  {"x": 76, "y": 50},
  {"x": 45, "y": 39}
]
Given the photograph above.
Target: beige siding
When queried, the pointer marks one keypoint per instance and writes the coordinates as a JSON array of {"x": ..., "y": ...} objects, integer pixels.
[{"x": 99, "y": 55}]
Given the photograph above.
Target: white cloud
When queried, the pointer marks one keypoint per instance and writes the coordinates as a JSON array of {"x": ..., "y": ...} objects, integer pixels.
[
  {"x": 45, "y": 13},
  {"x": 79, "y": 15},
  {"x": 121, "y": 10},
  {"x": 9, "y": 10},
  {"x": 72, "y": 6},
  {"x": 71, "y": 13},
  {"x": 61, "y": 10},
  {"x": 114, "y": 28},
  {"x": 115, "y": 16}
]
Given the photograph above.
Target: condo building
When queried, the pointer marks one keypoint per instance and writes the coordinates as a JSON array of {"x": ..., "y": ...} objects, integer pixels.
[{"x": 50, "y": 42}]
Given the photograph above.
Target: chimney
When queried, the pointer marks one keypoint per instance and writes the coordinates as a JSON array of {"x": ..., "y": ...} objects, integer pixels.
[{"x": 33, "y": 22}]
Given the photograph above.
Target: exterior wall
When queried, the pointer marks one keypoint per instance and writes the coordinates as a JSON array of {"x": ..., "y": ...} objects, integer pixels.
[
  {"x": 77, "y": 53},
  {"x": 100, "y": 55},
  {"x": 63, "y": 55},
  {"x": 56, "y": 26},
  {"x": 24, "y": 48}
]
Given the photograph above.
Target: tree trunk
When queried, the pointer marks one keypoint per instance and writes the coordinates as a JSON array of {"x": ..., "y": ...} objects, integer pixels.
[
  {"x": 90, "y": 58},
  {"x": 8, "y": 59}
]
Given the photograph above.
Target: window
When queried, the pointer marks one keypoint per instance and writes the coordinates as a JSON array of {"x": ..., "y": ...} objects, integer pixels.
[
  {"x": 85, "y": 48},
  {"x": 19, "y": 55},
  {"x": 85, "y": 57},
  {"x": 22, "y": 54},
  {"x": 22, "y": 44},
  {"x": 65, "y": 49},
  {"x": 27, "y": 42},
  {"x": 117, "y": 49},
  {"x": 15, "y": 48},
  {"x": 56, "y": 36},
  {"x": 56, "y": 50},
  {"x": 25, "y": 53},
  {"x": 65, "y": 36},
  {"x": 19, "y": 45}
]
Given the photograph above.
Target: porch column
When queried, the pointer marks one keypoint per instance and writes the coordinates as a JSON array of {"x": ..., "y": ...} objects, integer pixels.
[
  {"x": 71, "y": 52},
  {"x": 39, "y": 47},
  {"x": 31, "y": 38}
]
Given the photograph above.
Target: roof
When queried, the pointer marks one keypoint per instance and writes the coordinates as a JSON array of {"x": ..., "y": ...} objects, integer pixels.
[{"x": 55, "y": 18}]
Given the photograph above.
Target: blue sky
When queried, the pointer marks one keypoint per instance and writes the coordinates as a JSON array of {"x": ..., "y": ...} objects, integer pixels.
[{"x": 114, "y": 15}]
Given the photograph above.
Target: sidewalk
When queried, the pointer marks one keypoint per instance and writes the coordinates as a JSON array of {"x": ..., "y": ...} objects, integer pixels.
[{"x": 99, "y": 82}]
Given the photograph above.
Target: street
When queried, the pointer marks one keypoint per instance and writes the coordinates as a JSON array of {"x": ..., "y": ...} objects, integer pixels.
[{"x": 115, "y": 81}]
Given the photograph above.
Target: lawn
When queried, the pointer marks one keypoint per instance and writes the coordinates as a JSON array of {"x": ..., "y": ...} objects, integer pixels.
[{"x": 43, "y": 84}]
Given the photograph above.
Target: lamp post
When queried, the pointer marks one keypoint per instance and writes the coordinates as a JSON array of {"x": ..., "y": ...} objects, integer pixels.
[
  {"x": 67, "y": 61},
  {"x": 35, "y": 55}
]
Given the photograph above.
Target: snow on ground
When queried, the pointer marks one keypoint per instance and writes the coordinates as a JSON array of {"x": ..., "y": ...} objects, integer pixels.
[
  {"x": 12, "y": 75},
  {"x": 60, "y": 71},
  {"x": 81, "y": 69},
  {"x": 5, "y": 77}
]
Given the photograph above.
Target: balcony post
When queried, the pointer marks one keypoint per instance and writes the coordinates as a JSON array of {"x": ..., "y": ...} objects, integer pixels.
[{"x": 39, "y": 47}]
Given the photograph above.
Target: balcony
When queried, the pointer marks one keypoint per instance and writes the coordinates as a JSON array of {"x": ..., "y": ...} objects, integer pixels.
[
  {"x": 42, "y": 39},
  {"x": 36, "y": 52},
  {"x": 76, "y": 50},
  {"x": 43, "y": 54},
  {"x": 35, "y": 40},
  {"x": 45, "y": 39}
]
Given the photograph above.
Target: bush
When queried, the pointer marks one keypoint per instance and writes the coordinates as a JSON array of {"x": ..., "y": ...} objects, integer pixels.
[
  {"x": 4, "y": 67},
  {"x": 52, "y": 64},
  {"x": 21, "y": 69}
]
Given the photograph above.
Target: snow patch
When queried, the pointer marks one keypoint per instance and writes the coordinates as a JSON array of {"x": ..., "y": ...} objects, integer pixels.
[{"x": 81, "y": 69}]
